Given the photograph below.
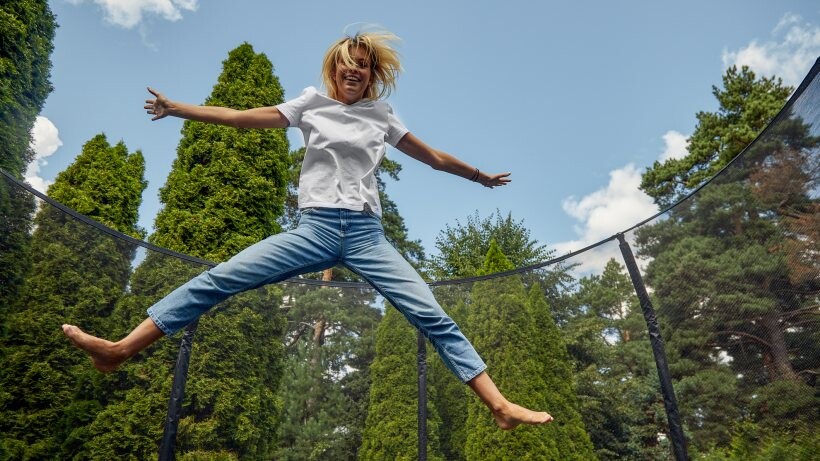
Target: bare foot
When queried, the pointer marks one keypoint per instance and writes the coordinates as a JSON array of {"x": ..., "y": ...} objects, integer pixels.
[
  {"x": 101, "y": 351},
  {"x": 511, "y": 415}
]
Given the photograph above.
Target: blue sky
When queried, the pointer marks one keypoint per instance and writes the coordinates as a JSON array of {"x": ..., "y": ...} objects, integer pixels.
[{"x": 576, "y": 99}]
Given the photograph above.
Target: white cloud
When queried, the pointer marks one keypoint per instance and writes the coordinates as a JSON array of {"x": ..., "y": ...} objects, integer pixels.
[
  {"x": 45, "y": 140},
  {"x": 790, "y": 54},
  {"x": 129, "y": 13},
  {"x": 605, "y": 212},
  {"x": 676, "y": 145}
]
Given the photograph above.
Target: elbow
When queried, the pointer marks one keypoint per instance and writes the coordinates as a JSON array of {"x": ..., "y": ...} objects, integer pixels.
[{"x": 437, "y": 162}]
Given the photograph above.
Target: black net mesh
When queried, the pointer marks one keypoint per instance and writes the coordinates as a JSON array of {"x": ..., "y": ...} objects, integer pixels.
[{"x": 327, "y": 370}]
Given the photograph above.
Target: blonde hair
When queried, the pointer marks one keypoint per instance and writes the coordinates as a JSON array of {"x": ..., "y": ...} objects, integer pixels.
[{"x": 384, "y": 62}]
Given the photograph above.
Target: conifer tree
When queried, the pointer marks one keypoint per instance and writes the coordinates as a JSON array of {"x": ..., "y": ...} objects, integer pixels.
[
  {"x": 555, "y": 368},
  {"x": 225, "y": 192},
  {"x": 736, "y": 328},
  {"x": 49, "y": 391},
  {"x": 616, "y": 377},
  {"x": 391, "y": 431},
  {"x": 502, "y": 330},
  {"x": 26, "y": 42}
]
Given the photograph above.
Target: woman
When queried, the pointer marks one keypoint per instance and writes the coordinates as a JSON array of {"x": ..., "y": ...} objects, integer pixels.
[{"x": 345, "y": 134}]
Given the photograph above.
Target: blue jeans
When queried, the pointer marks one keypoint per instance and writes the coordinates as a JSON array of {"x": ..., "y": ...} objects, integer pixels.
[{"x": 324, "y": 238}]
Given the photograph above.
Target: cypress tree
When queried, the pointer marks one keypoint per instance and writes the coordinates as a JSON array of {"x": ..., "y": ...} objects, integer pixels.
[
  {"x": 77, "y": 276},
  {"x": 555, "y": 368},
  {"x": 391, "y": 431},
  {"x": 502, "y": 330},
  {"x": 26, "y": 42},
  {"x": 225, "y": 192}
]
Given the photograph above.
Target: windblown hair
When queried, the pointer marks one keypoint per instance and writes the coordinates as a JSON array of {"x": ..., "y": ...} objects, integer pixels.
[{"x": 384, "y": 62}]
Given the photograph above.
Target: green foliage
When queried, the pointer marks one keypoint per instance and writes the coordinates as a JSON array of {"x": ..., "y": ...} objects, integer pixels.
[
  {"x": 617, "y": 385},
  {"x": 751, "y": 442},
  {"x": 747, "y": 104},
  {"x": 728, "y": 265},
  {"x": 502, "y": 330},
  {"x": 555, "y": 368},
  {"x": 463, "y": 248},
  {"x": 26, "y": 36},
  {"x": 77, "y": 276},
  {"x": 451, "y": 395},
  {"x": 391, "y": 428},
  {"x": 325, "y": 386},
  {"x": 227, "y": 186},
  {"x": 16, "y": 211}
]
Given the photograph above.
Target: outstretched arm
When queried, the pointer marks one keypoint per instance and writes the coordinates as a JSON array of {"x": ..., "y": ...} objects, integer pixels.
[
  {"x": 443, "y": 161},
  {"x": 262, "y": 117}
]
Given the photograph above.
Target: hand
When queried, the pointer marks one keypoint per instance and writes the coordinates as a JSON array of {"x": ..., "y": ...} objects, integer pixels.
[
  {"x": 493, "y": 180},
  {"x": 157, "y": 107}
]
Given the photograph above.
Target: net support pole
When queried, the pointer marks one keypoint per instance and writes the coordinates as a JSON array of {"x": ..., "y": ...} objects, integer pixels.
[
  {"x": 669, "y": 401},
  {"x": 169, "y": 434},
  {"x": 421, "y": 357}
]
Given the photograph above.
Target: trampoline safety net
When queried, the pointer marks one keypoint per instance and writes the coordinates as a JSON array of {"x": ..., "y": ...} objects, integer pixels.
[{"x": 694, "y": 334}]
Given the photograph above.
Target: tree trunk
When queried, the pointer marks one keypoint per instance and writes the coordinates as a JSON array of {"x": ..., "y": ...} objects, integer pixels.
[{"x": 781, "y": 367}]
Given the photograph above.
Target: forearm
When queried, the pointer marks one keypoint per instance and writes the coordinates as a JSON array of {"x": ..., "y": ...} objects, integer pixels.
[
  {"x": 453, "y": 165},
  {"x": 208, "y": 114}
]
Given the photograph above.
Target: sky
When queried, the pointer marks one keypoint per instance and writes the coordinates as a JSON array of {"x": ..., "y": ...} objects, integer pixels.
[{"x": 575, "y": 99}]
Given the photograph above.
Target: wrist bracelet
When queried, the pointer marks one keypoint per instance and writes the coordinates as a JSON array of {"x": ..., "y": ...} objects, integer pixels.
[{"x": 474, "y": 178}]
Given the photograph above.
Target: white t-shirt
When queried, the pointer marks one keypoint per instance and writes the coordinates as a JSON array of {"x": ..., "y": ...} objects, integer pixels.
[{"x": 344, "y": 145}]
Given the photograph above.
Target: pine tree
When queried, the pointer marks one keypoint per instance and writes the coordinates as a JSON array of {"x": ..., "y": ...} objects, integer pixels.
[
  {"x": 462, "y": 253},
  {"x": 737, "y": 324},
  {"x": 747, "y": 105},
  {"x": 617, "y": 382},
  {"x": 225, "y": 192},
  {"x": 77, "y": 276}
]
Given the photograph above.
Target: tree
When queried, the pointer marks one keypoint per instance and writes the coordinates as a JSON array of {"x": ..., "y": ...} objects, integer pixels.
[
  {"x": 555, "y": 368},
  {"x": 330, "y": 345},
  {"x": 502, "y": 330},
  {"x": 78, "y": 274},
  {"x": 27, "y": 34},
  {"x": 747, "y": 105},
  {"x": 391, "y": 428},
  {"x": 735, "y": 327},
  {"x": 463, "y": 248},
  {"x": 617, "y": 383},
  {"x": 26, "y": 41},
  {"x": 225, "y": 191}
]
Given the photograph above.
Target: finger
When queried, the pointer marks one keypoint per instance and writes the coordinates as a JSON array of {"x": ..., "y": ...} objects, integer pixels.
[
  {"x": 158, "y": 117},
  {"x": 153, "y": 91}
]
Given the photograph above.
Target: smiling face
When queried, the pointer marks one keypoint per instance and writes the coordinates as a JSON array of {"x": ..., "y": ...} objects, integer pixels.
[{"x": 352, "y": 82}]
